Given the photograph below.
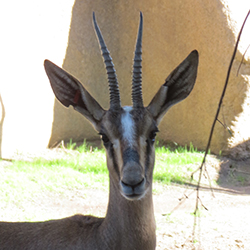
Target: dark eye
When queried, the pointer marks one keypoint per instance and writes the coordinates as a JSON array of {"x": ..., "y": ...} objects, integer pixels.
[
  {"x": 105, "y": 139},
  {"x": 152, "y": 136}
]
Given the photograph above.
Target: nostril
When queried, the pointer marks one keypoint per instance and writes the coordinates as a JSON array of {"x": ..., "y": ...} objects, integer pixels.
[
  {"x": 140, "y": 183},
  {"x": 125, "y": 184}
]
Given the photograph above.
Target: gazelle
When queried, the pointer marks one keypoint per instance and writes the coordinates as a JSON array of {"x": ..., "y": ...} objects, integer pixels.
[{"x": 128, "y": 134}]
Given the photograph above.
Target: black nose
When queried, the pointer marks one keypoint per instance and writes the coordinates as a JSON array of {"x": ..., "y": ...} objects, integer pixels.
[{"x": 133, "y": 190}]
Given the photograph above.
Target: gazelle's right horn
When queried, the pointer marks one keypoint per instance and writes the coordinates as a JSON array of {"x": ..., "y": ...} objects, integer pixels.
[{"x": 114, "y": 93}]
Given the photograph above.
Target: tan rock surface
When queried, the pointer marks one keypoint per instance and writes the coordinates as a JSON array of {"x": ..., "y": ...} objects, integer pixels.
[{"x": 172, "y": 29}]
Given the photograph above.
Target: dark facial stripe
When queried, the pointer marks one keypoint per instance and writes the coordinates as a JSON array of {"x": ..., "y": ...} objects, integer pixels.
[
  {"x": 112, "y": 156},
  {"x": 130, "y": 155},
  {"x": 148, "y": 153}
]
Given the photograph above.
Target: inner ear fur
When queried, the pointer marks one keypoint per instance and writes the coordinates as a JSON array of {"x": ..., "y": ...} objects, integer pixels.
[
  {"x": 176, "y": 88},
  {"x": 70, "y": 92}
]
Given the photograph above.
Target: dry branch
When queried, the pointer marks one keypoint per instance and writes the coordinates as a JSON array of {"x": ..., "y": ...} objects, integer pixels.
[{"x": 198, "y": 200}]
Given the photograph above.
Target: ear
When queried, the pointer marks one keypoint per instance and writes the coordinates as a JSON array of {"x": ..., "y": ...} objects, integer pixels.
[
  {"x": 176, "y": 88},
  {"x": 69, "y": 91}
]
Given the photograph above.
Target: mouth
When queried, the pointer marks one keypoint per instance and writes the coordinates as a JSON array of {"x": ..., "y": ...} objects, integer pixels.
[
  {"x": 133, "y": 192},
  {"x": 134, "y": 197}
]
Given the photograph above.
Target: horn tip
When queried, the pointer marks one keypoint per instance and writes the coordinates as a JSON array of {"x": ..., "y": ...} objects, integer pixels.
[{"x": 141, "y": 20}]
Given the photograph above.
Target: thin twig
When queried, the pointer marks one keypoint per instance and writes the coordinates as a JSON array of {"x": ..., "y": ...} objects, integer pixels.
[
  {"x": 223, "y": 94},
  {"x": 209, "y": 180},
  {"x": 181, "y": 201},
  {"x": 62, "y": 145},
  {"x": 214, "y": 122},
  {"x": 242, "y": 60},
  {"x": 225, "y": 127},
  {"x": 202, "y": 204}
]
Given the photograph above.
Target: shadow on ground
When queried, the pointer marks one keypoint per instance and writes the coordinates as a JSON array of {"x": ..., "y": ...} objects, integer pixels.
[
  {"x": 234, "y": 171},
  {"x": 235, "y": 174}
]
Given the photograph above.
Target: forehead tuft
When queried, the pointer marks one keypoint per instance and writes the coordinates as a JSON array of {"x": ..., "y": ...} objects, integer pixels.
[
  {"x": 127, "y": 109},
  {"x": 128, "y": 124}
]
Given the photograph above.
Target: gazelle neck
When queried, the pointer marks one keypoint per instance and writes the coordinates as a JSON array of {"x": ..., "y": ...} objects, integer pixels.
[{"x": 133, "y": 221}]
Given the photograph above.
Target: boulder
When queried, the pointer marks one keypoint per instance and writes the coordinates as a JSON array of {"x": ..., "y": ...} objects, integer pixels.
[{"x": 172, "y": 29}]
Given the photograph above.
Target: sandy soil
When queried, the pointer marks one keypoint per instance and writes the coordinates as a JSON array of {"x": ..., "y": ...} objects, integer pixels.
[{"x": 224, "y": 225}]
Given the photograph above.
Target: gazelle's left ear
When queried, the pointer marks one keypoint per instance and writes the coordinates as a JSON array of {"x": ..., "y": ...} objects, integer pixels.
[{"x": 176, "y": 88}]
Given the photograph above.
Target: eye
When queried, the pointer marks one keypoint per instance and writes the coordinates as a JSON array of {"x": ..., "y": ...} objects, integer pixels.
[
  {"x": 152, "y": 136},
  {"x": 104, "y": 138}
]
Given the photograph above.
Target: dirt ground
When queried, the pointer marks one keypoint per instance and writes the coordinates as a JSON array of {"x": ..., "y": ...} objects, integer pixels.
[
  {"x": 226, "y": 222},
  {"x": 224, "y": 225}
]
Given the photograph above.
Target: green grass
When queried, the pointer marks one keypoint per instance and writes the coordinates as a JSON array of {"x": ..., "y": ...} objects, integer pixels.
[
  {"x": 175, "y": 165},
  {"x": 83, "y": 167}
]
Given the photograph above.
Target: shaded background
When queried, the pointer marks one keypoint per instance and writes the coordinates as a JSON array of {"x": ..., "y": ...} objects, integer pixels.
[{"x": 62, "y": 31}]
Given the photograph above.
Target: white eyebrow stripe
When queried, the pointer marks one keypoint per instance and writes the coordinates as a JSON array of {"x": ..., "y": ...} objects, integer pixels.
[{"x": 128, "y": 127}]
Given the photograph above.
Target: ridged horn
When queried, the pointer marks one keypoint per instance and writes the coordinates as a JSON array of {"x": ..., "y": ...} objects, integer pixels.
[
  {"x": 137, "y": 69},
  {"x": 114, "y": 93}
]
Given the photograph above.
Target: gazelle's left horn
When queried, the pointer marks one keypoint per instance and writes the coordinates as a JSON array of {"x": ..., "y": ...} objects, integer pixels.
[{"x": 137, "y": 69}]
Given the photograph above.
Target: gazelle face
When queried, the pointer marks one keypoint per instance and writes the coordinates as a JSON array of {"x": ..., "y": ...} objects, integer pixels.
[
  {"x": 128, "y": 133},
  {"x": 128, "y": 137}
]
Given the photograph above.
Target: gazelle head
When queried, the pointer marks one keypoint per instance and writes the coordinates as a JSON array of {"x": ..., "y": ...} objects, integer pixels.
[{"x": 128, "y": 133}]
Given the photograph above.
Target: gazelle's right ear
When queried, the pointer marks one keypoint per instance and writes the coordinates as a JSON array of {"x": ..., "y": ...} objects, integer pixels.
[{"x": 69, "y": 91}]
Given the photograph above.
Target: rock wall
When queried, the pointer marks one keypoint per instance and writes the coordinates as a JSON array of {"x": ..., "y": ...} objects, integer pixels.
[{"x": 172, "y": 29}]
